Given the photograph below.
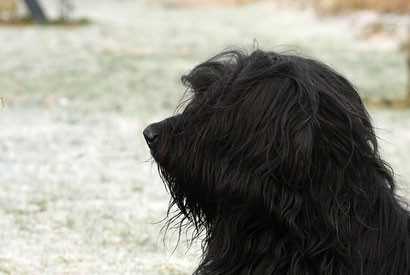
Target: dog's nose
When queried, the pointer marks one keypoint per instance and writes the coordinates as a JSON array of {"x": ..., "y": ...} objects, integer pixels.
[{"x": 151, "y": 135}]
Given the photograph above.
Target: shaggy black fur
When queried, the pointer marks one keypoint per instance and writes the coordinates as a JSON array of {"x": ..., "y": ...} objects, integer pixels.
[{"x": 276, "y": 160}]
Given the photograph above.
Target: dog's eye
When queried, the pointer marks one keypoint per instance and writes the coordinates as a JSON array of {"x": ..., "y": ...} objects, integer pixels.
[{"x": 275, "y": 58}]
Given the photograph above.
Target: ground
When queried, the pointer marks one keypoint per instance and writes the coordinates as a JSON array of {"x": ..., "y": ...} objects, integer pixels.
[{"x": 79, "y": 193}]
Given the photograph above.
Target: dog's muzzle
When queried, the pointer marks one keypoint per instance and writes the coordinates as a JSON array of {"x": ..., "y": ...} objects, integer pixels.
[{"x": 151, "y": 135}]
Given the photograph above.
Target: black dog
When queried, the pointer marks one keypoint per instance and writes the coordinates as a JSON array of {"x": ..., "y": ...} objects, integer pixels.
[{"x": 276, "y": 160}]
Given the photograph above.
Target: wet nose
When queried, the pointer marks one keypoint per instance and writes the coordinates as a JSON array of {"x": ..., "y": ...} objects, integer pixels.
[{"x": 151, "y": 135}]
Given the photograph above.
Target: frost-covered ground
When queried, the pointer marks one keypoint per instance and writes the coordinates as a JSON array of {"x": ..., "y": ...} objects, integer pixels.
[{"x": 78, "y": 192}]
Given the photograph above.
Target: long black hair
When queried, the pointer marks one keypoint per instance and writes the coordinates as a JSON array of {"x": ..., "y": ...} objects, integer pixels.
[{"x": 276, "y": 160}]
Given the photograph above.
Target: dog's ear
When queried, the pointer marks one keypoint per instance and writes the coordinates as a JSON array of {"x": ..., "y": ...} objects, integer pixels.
[
  {"x": 293, "y": 156},
  {"x": 302, "y": 154}
]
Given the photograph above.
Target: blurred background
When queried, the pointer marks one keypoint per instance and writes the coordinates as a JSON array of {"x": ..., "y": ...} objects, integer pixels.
[{"x": 79, "y": 81}]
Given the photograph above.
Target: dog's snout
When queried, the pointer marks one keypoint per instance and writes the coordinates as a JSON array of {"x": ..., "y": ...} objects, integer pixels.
[{"x": 151, "y": 135}]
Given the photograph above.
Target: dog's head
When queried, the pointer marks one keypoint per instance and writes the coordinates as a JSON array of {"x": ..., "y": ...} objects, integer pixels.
[{"x": 257, "y": 127}]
